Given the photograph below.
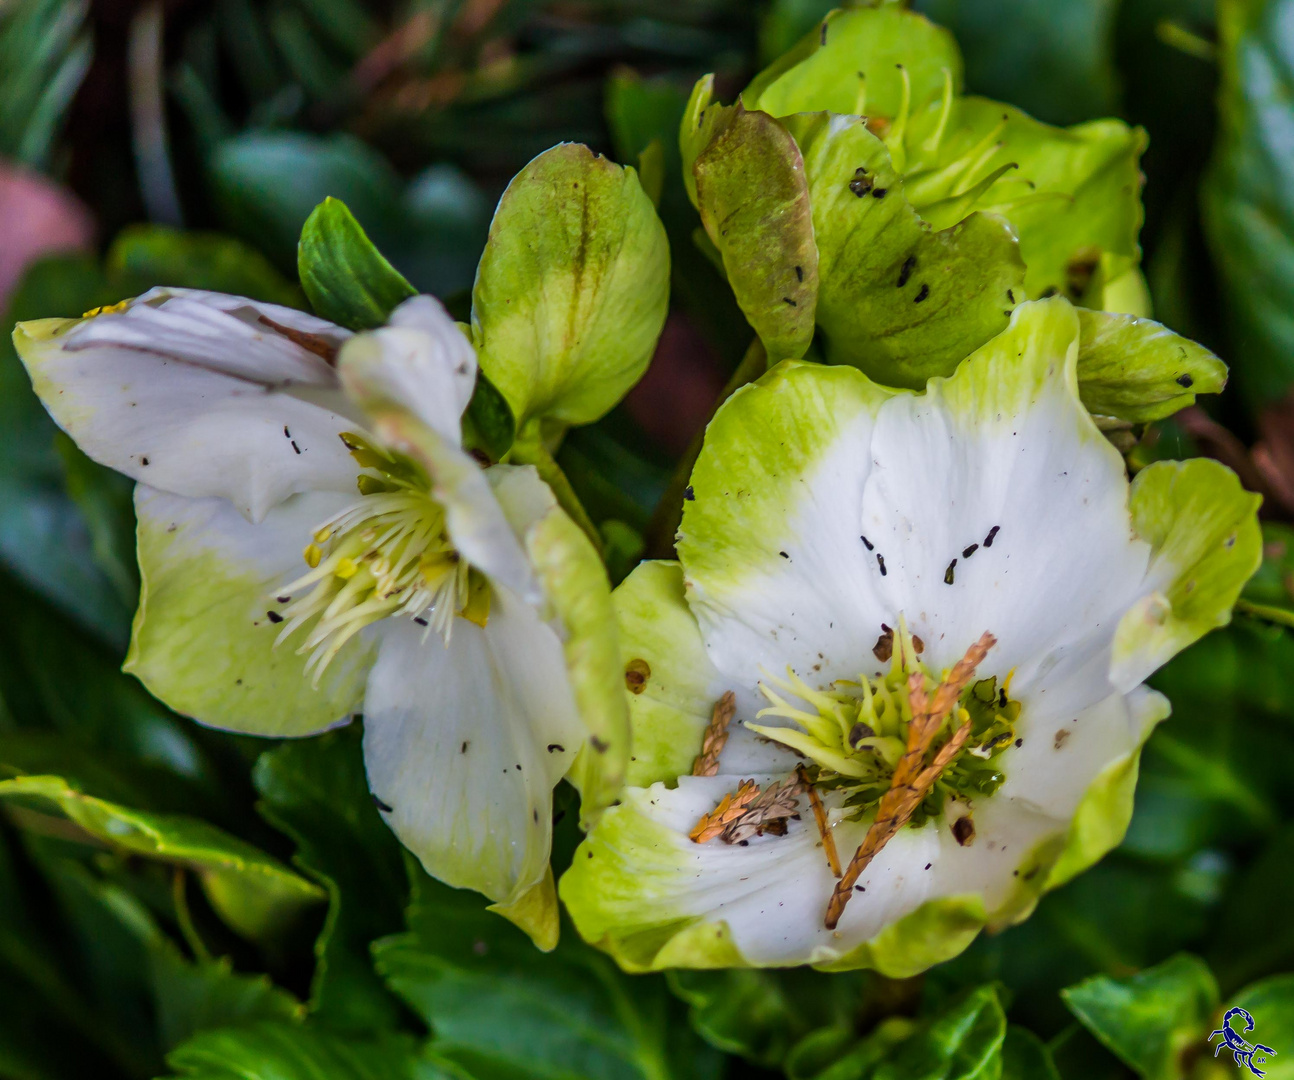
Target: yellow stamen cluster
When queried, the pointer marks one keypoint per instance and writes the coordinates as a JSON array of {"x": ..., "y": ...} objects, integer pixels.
[{"x": 387, "y": 554}]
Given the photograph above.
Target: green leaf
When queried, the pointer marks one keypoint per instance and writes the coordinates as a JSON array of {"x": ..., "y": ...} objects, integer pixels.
[
  {"x": 572, "y": 290},
  {"x": 502, "y": 1009},
  {"x": 252, "y": 891},
  {"x": 290, "y": 1052},
  {"x": 1253, "y": 936},
  {"x": 1149, "y": 1018},
  {"x": 315, "y": 791},
  {"x": 1026, "y": 1057},
  {"x": 963, "y": 1041},
  {"x": 761, "y": 1014},
  {"x": 1140, "y": 371},
  {"x": 1271, "y": 1004},
  {"x": 896, "y": 298},
  {"x": 1248, "y": 216},
  {"x": 345, "y": 277},
  {"x": 754, "y": 203},
  {"x": 1273, "y": 585}
]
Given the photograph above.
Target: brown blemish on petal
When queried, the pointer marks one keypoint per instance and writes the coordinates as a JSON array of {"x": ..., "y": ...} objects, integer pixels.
[{"x": 637, "y": 672}]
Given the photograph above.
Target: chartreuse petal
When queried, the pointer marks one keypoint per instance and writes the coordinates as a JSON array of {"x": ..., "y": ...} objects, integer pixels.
[
  {"x": 1140, "y": 371},
  {"x": 572, "y": 290},
  {"x": 256, "y": 894},
  {"x": 669, "y": 680},
  {"x": 1203, "y": 530},
  {"x": 857, "y": 62},
  {"x": 754, "y": 203},
  {"x": 203, "y": 640},
  {"x": 897, "y": 298},
  {"x": 1071, "y": 194}
]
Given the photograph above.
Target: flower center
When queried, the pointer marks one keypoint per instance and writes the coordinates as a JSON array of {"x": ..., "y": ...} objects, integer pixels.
[
  {"x": 387, "y": 554},
  {"x": 855, "y": 733}
]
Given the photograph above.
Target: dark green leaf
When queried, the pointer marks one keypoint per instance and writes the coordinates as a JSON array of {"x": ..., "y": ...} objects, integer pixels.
[
  {"x": 501, "y": 1008},
  {"x": 1271, "y": 1004},
  {"x": 347, "y": 280},
  {"x": 1147, "y": 1019},
  {"x": 488, "y": 423},
  {"x": 1248, "y": 213},
  {"x": 315, "y": 791},
  {"x": 1254, "y": 935},
  {"x": 1026, "y": 1057}
]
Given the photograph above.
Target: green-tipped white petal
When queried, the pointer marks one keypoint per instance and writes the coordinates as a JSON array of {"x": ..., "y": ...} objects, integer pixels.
[
  {"x": 198, "y": 394},
  {"x": 1206, "y": 543},
  {"x": 465, "y": 741},
  {"x": 420, "y": 361},
  {"x": 204, "y": 637},
  {"x": 577, "y": 599}
]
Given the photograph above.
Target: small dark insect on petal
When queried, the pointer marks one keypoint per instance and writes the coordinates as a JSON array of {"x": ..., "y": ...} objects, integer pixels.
[
  {"x": 964, "y": 831},
  {"x": 799, "y": 273},
  {"x": 784, "y": 554},
  {"x": 861, "y": 184},
  {"x": 880, "y": 561},
  {"x": 867, "y": 543},
  {"x": 992, "y": 534},
  {"x": 968, "y": 552},
  {"x": 381, "y": 805},
  {"x": 860, "y": 888},
  {"x": 463, "y": 749},
  {"x": 788, "y": 300},
  {"x": 949, "y": 573},
  {"x": 880, "y": 192},
  {"x": 1001, "y": 698},
  {"x": 274, "y": 616},
  {"x": 1019, "y": 742},
  {"x": 295, "y": 446},
  {"x": 420, "y": 620},
  {"x": 555, "y": 748},
  {"x": 143, "y": 461},
  {"x": 1185, "y": 380},
  {"x": 905, "y": 272},
  {"x": 286, "y": 433},
  {"x": 1010, "y": 296},
  {"x": 922, "y": 293},
  {"x": 928, "y": 865},
  {"x": 535, "y": 815},
  {"x": 283, "y": 599},
  {"x": 689, "y": 494}
]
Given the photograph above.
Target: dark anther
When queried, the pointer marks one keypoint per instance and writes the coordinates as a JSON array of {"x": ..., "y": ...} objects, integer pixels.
[
  {"x": 286, "y": 433},
  {"x": 420, "y": 620},
  {"x": 948, "y": 574},
  {"x": 861, "y": 184},
  {"x": 274, "y": 616},
  {"x": 799, "y": 273},
  {"x": 880, "y": 560},
  {"x": 143, "y": 461},
  {"x": 295, "y": 446},
  {"x": 463, "y": 749},
  {"x": 964, "y": 831},
  {"x": 922, "y": 293},
  {"x": 788, "y": 300},
  {"x": 283, "y": 599},
  {"x": 556, "y": 748},
  {"x": 905, "y": 272},
  {"x": 784, "y": 554},
  {"x": 860, "y": 888},
  {"x": 968, "y": 552},
  {"x": 880, "y": 192},
  {"x": 1010, "y": 296},
  {"x": 1185, "y": 380},
  {"x": 988, "y": 540},
  {"x": 381, "y": 805},
  {"x": 688, "y": 493},
  {"x": 866, "y": 543}
]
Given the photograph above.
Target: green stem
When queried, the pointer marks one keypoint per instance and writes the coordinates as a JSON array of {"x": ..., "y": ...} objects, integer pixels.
[
  {"x": 1280, "y": 616},
  {"x": 664, "y": 523},
  {"x": 180, "y": 899},
  {"x": 532, "y": 451}
]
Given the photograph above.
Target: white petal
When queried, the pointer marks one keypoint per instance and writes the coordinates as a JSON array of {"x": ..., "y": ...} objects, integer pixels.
[
  {"x": 421, "y": 362},
  {"x": 464, "y": 742},
  {"x": 194, "y": 400}
]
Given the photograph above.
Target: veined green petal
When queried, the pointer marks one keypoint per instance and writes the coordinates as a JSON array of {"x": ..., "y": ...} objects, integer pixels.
[
  {"x": 897, "y": 298},
  {"x": 856, "y": 61},
  {"x": 203, "y": 639},
  {"x": 572, "y": 290},
  {"x": 1140, "y": 371},
  {"x": 1071, "y": 194},
  {"x": 670, "y": 682},
  {"x": 754, "y": 203},
  {"x": 1203, "y": 530},
  {"x": 536, "y": 913},
  {"x": 704, "y": 119}
]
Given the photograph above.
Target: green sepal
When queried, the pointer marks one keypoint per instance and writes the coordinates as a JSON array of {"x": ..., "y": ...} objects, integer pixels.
[
  {"x": 1150, "y": 1018},
  {"x": 253, "y": 892},
  {"x": 754, "y": 203},
  {"x": 347, "y": 280},
  {"x": 572, "y": 290},
  {"x": 897, "y": 298},
  {"x": 704, "y": 119},
  {"x": 1138, "y": 370},
  {"x": 488, "y": 423}
]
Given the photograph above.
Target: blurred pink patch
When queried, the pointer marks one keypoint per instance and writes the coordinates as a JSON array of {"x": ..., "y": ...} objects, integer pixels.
[
  {"x": 38, "y": 217},
  {"x": 674, "y": 399}
]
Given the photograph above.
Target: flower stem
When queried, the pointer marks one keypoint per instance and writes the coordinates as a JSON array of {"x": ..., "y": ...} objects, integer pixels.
[
  {"x": 669, "y": 511},
  {"x": 532, "y": 451}
]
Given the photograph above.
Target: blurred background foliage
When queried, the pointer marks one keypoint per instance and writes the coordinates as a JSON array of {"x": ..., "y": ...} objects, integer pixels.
[{"x": 178, "y": 901}]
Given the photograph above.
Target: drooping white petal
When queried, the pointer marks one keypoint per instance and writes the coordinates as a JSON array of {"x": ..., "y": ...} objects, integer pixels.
[
  {"x": 421, "y": 361},
  {"x": 464, "y": 742},
  {"x": 204, "y": 638},
  {"x": 197, "y": 400}
]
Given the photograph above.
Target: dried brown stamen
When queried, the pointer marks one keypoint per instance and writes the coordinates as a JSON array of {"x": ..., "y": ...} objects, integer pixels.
[
  {"x": 716, "y": 736},
  {"x": 820, "y": 819},
  {"x": 913, "y": 778},
  {"x": 732, "y": 807},
  {"x": 321, "y": 346}
]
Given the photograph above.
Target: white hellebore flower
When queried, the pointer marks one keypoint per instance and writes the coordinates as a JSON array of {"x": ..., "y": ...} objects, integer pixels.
[
  {"x": 314, "y": 542},
  {"x": 934, "y": 614}
]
